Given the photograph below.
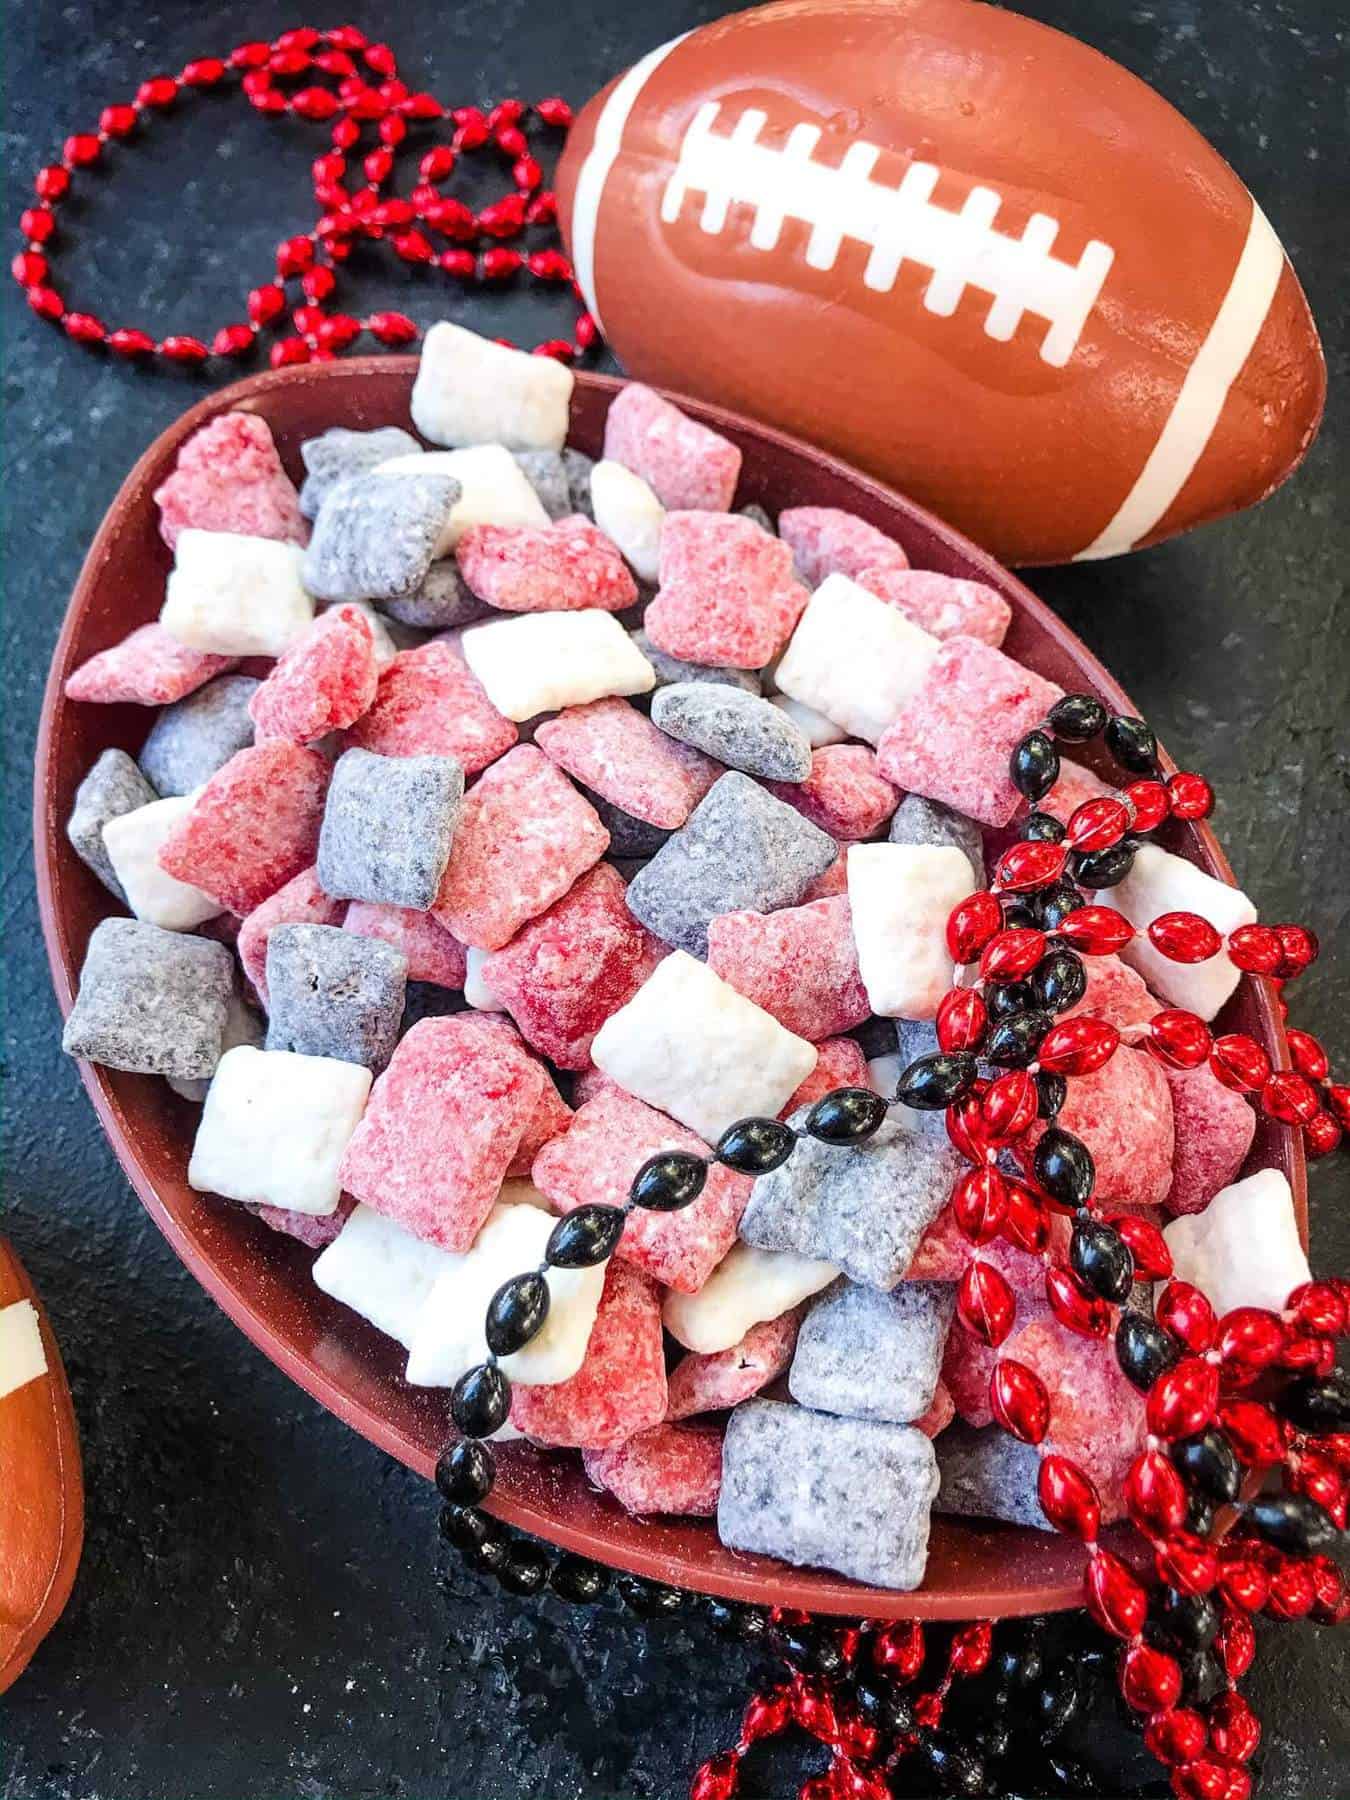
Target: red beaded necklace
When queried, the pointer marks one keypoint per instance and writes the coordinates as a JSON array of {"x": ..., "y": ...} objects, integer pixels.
[{"x": 341, "y": 79}]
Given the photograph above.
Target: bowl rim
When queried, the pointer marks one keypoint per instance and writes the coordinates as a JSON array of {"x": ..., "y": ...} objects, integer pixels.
[{"x": 838, "y": 1594}]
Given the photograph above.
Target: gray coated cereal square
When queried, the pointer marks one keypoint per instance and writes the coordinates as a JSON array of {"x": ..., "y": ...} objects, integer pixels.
[
  {"x": 670, "y": 669},
  {"x": 388, "y": 824},
  {"x": 112, "y": 787},
  {"x": 577, "y": 467},
  {"x": 920, "y": 821},
  {"x": 853, "y": 1495},
  {"x": 740, "y": 729},
  {"x": 546, "y": 473},
  {"x": 988, "y": 1475},
  {"x": 376, "y": 535},
  {"x": 340, "y": 452},
  {"x": 872, "y": 1355},
  {"x": 150, "y": 1000},
  {"x": 194, "y": 737},
  {"x": 441, "y": 603},
  {"x": 332, "y": 993}
]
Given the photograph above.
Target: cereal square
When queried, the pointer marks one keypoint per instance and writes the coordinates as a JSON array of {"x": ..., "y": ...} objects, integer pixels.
[
  {"x": 429, "y": 950},
  {"x": 743, "y": 731},
  {"x": 235, "y": 595},
  {"x": 616, "y": 751},
  {"x": 376, "y": 535},
  {"x": 629, "y": 514},
  {"x": 1214, "y": 1131},
  {"x": 300, "y": 901},
  {"x": 148, "y": 668},
  {"x": 388, "y": 826},
  {"x": 1123, "y": 1113},
  {"x": 855, "y": 659},
  {"x": 194, "y": 737},
  {"x": 902, "y": 896},
  {"x": 543, "y": 662},
  {"x": 920, "y": 821},
  {"x": 667, "y": 1469},
  {"x": 943, "y": 605},
  {"x": 113, "y": 786},
  {"x": 868, "y": 1355},
  {"x": 799, "y": 964},
  {"x": 747, "y": 1288},
  {"x": 133, "y": 842},
  {"x": 428, "y": 704},
  {"x": 567, "y": 566},
  {"x": 842, "y": 792},
  {"x": 546, "y": 473},
  {"x": 494, "y": 489},
  {"x": 470, "y": 390},
  {"x": 381, "y": 1271},
  {"x": 727, "y": 592},
  {"x": 331, "y": 993},
  {"x": 338, "y": 453},
  {"x": 1244, "y": 1249},
  {"x": 228, "y": 477},
  {"x": 323, "y": 683},
  {"x": 149, "y": 1000},
  {"x": 1160, "y": 882},
  {"x": 685, "y": 464},
  {"x": 668, "y": 669},
  {"x": 828, "y": 541},
  {"x": 699, "y": 1384}
]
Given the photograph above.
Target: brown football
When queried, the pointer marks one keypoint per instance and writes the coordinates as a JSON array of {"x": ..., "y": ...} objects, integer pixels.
[
  {"x": 41, "y": 1489},
  {"x": 962, "y": 250}
]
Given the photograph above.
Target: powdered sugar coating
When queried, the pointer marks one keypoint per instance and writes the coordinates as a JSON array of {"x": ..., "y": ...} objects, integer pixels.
[
  {"x": 685, "y": 464},
  {"x": 743, "y": 731},
  {"x": 323, "y": 683},
  {"x": 839, "y": 1063},
  {"x": 825, "y": 540},
  {"x": 338, "y": 452},
  {"x": 567, "y": 566},
  {"x": 870, "y": 1355},
  {"x": 727, "y": 593},
  {"x": 388, "y": 826},
  {"x": 665, "y": 1469},
  {"x": 800, "y": 964},
  {"x": 148, "y": 668},
  {"x": 842, "y": 793},
  {"x": 430, "y": 951},
  {"x": 614, "y": 749},
  {"x": 428, "y": 703},
  {"x": 194, "y": 737},
  {"x": 113, "y": 786},
  {"x": 299, "y": 901},
  {"x": 699, "y": 1384},
  {"x": 944, "y": 605},
  {"x": 228, "y": 477},
  {"x": 1123, "y": 1113},
  {"x": 1214, "y": 1129}
]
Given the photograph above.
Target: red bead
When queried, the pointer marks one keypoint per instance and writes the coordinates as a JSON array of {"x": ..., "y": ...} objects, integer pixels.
[
  {"x": 85, "y": 328},
  {"x": 1298, "y": 948},
  {"x": 1243, "y": 1582},
  {"x": 504, "y": 218},
  {"x": 499, "y": 264},
  {"x": 182, "y": 349},
  {"x": 118, "y": 121},
  {"x": 396, "y": 213},
  {"x": 1338, "y": 1103},
  {"x": 543, "y": 210},
  {"x": 1307, "y": 1055},
  {"x": 511, "y": 141},
  {"x": 1187, "y": 1314},
  {"x": 365, "y": 104},
  {"x": 294, "y": 256},
  {"x": 1255, "y": 949},
  {"x": 29, "y": 268},
  {"x": 526, "y": 173},
  {"x": 299, "y": 37},
  {"x": 1147, "y": 1245},
  {"x": 716, "y": 1779},
  {"x": 813, "y": 1711},
  {"x": 127, "y": 341},
  {"x": 1190, "y": 795},
  {"x": 391, "y": 327},
  {"x": 377, "y": 167},
  {"x": 460, "y": 263},
  {"x": 1018, "y": 1400},
  {"x": 1292, "y": 1594},
  {"x": 203, "y": 72},
  {"x": 1097, "y": 824},
  {"x": 250, "y": 56},
  {"x": 974, "y": 922},
  {"x": 1184, "y": 937},
  {"x": 1256, "y": 1434},
  {"x": 414, "y": 247},
  {"x": 438, "y": 163},
  {"x": 980, "y": 1204},
  {"x": 46, "y": 302},
  {"x": 1288, "y": 1097},
  {"x": 471, "y": 136},
  {"x": 1318, "y": 1307},
  {"x": 380, "y": 58},
  {"x": 1179, "y": 1040},
  {"x": 765, "y": 1716},
  {"x": 1012, "y": 953},
  {"x": 1239, "y": 1062},
  {"x": 1234, "y": 1729},
  {"x": 1209, "y": 1778},
  {"x": 1321, "y": 1134},
  {"x": 1251, "y": 1337},
  {"x": 965, "y": 1128},
  {"x": 554, "y": 111},
  {"x": 1075, "y": 1305},
  {"x": 257, "y": 83},
  {"x": 1330, "y": 1587},
  {"x": 266, "y": 304},
  {"x": 318, "y": 283},
  {"x": 268, "y": 100},
  {"x": 328, "y": 169},
  {"x": 1096, "y": 930},
  {"x": 1150, "y": 802},
  {"x": 347, "y": 37},
  {"x": 899, "y": 1649},
  {"x": 1177, "y": 1736},
  {"x": 450, "y": 217},
  {"x": 961, "y": 1018},
  {"x": 1068, "y": 1498},
  {"x": 1155, "y": 1494},
  {"x": 1317, "y": 1478},
  {"x": 160, "y": 91},
  {"x": 1078, "y": 1046},
  {"x": 287, "y": 352},
  {"x": 1310, "y": 1356},
  {"x": 337, "y": 331},
  {"x": 1150, "y": 1680},
  {"x": 233, "y": 340},
  {"x": 1033, "y": 864},
  {"x": 82, "y": 149},
  {"x": 971, "y": 1649},
  {"x": 1027, "y": 1224},
  {"x": 421, "y": 108},
  {"x": 505, "y": 114},
  {"x": 1183, "y": 1399},
  {"x": 37, "y": 223},
  {"x": 549, "y": 265},
  {"x": 52, "y": 183},
  {"x": 314, "y": 103},
  {"x": 307, "y": 319},
  {"x": 986, "y": 1303},
  {"x": 1008, "y": 1108},
  {"x": 346, "y": 133},
  {"x": 1188, "y": 1563}
]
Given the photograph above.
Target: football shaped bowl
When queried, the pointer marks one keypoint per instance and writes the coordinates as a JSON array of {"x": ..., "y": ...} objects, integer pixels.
[{"x": 261, "y": 1279}]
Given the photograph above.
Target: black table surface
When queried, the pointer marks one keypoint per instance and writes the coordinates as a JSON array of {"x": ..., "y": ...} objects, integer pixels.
[{"x": 263, "y": 1611}]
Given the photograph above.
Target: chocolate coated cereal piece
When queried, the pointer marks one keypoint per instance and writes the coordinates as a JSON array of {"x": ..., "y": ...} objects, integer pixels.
[
  {"x": 376, "y": 535},
  {"x": 338, "y": 453},
  {"x": 332, "y": 993},
  {"x": 388, "y": 826},
  {"x": 194, "y": 737},
  {"x": 150, "y": 1000},
  {"x": 112, "y": 787}
]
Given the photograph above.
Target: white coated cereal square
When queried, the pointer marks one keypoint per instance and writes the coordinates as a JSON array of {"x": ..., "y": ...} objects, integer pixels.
[
  {"x": 542, "y": 662},
  {"x": 448, "y": 1338},
  {"x": 689, "y": 1044},
  {"x": 477, "y": 993},
  {"x": 747, "y": 1287},
  {"x": 471, "y": 391},
  {"x": 493, "y": 488},
  {"x": 235, "y": 595},
  {"x": 1243, "y": 1250},
  {"x": 1160, "y": 882},
  {"x": 630, "y": 515},
  {"x": 133, "y": 842},
  {"x": 900, "y": 896},
  {"x": 381, "y": 1271},
  {"x": 854, "y": 658},
  {"x": 274, "y": 1128},
  {"x": 819, "y": 730}
]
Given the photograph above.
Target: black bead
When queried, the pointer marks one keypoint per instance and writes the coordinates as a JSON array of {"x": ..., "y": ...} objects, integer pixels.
[
  {"x": 1064, "y": 1167},
  {"x": 1041, "y": 828},
  {"x": 578, "y": 1580},
  {"x": 1021, "y": 912},
  {"x": 516, "y": 1313},
  {"x": 465, "y": 1527},
  {"x": 754, "y": 1146},
  {"x": 524, "y": 1569},
  {"x": 993, "y": 1740},
  {"x": 1077, "y": 717},
  {"x": 480, "y": 1401},
  {"x": 1191, "y": 1620},
  {"x": 1002, "y": 998},
  {"x": 813, "y": 1651},
  {"x": 846, "y": 1116},
  {"x": 1144, "y": 1350},
  {"x": 1317, "y": 1403},
  {"x": 1034, "y": 766},
  {"x": 746, "y": 1624},
  {"x": 1101, "y": 1257},
  {"x": 1132, "y": 744},
  {"x": 668, "y": 1181},
  {"x": 1208, "y": 1462},
  {"x": 491, "y": 1554},
  {"x": 585, "y": 1237},
  {"x": 465, "y": 1473},
  {"x": 1057, "y": 1700},
  {"x": 649, "y": 1599},
  {"x": 1103, "y": 868},
  {"x": 1054, "y": 904},
  {"x": 931, "y": 1083},
  {"x": 1014, "y": 1041},
  {"x": 1291, "y": 1523},
  {"x": 1019, "y": 1664},
  {"x": 959, "y": 1770},
  {"x": 1053, "y": 1090},
  {"x": 1058, "y": 981},
  {"x": 1200, "y": 1515},
  {"x": 882, "y": 1706},
  {"x": 1202, "y": 1680},
  {"x": 1074, "y": 1780}
]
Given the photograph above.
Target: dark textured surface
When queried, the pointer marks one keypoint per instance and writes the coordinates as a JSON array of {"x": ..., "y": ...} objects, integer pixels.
[{"x": 257, "y": 1618}]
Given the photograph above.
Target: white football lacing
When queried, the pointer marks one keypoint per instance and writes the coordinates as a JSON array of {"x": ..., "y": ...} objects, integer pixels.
[{"x": 899, "y": 224}]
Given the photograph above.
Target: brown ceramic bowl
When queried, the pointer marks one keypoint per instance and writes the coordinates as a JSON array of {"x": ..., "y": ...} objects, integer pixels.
[{"x": 261, "y": 1279}]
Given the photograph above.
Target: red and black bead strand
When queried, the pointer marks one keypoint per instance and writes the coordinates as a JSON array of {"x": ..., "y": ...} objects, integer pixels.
[{"x": 352, "y": 85}]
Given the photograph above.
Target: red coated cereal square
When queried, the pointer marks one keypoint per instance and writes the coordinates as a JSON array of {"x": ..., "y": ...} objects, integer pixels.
[
  {"x": 800, "y": 964},
  {"x": 148, "y": 668},
  {"x": 433, "y": 955},
  {"x": 524, "y": 836},
  {"x": 428, "y": 703},
  {"x": 551, "y": 1115},
  {"x": 944, "y": 605},
  {"x": 952, "y": 742},
  {"x": 825, "y": 540},
  {"x": 833, "y": 881},
  {"x": 700, "y": 1384},
  {"x": 939, "y": 1415},
  {"x": 843, "y": 794},
  {"x": 839, "y": 1063},
  {"x": 684, "y": 463},
  {"x": 1214, "y": 1132},
  {"x": 1096, "y": 1414},
  {"x": 612, "y": 748},
  {"x": 253, "y": 826},
  {"x": 727, "y": 593},
  {"x": 1115, "y": 992},
  {"x": 323, "y": 683},
  {"x": 228, "y": 477},
  {"x": 1123, "y": 1114},
  {"x": 440, "y": 1129},
  {"x": 968, "y": 1362},
  {"x": 315, "y": 1230},
  {"x": 1076, "y": 785},
  {"x": 301, "y": 901},
  {"x": 562, "y": 567},
  {"x": 944, "y": 1253},
  {"x": 672, "y": 1469},
  {"x": 609, "y": 1139},
  {"x": 620, "y": 1389},
  {"x": 564, "y": 973}
]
